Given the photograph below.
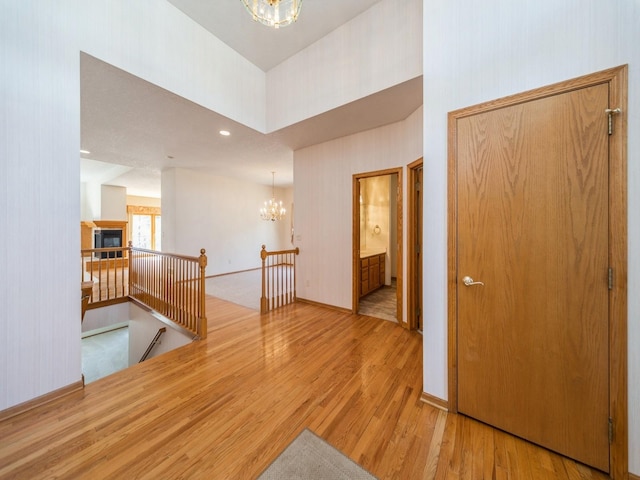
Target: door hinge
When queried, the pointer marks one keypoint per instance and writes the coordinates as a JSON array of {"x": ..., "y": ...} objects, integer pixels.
[
  {"x": 610, "y": 278},
  {"x": 611, "y": 112},
  {"x": 610, "y": 430}
]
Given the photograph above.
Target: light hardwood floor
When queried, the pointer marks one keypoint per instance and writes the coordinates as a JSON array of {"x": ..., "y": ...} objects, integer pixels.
[{"x": 225, "y": 407}]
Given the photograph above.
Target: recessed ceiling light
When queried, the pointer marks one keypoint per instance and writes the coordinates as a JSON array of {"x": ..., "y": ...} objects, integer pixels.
[
  {"x": 85, "y": 151},
  {"x": 225, "y": 133}
]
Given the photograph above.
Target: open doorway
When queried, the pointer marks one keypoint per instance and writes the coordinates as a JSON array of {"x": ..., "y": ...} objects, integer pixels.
[{"x": 377, "y": 244}]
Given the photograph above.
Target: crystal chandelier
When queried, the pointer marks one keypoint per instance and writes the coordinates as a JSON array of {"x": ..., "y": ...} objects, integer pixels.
[
  {"x": 274, "y": 13},
  {"x": 272, "y": 209}
]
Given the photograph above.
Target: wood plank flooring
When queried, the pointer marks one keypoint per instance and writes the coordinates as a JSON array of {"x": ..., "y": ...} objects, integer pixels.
[{"x": 225, "y": 407}]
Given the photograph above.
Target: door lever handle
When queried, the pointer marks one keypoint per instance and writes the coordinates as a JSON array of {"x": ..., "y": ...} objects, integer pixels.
[{"x": 468, "y": 281}]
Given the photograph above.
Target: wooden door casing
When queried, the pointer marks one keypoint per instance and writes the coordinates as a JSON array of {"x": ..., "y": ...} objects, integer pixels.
[
  {"x": 540, "y": 316},
  {"x": 414, "y": 244}
]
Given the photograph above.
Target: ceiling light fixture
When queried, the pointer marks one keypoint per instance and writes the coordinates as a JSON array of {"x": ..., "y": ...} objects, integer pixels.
[
  {"x": 273, "y": 210},
  {"x": 86, "y": 152},
  {"x": 274, "y": 13},
  {"x": 225, "y": 133}
]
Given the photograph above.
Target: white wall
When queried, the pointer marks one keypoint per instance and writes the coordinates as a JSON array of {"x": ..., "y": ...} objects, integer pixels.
[
  {"x": 40, "y": 45},
  {"x": 90, "y": 201},
  {"x": 479, "y": 51},
  {"x": 323, "y": 203},
  {"x": 39, "y": 192},
  {"x": 378, "y": 49},
  {"x": 100, "y": 318},
  {"x": 143, "y": 327},
  {"x": 155, "y": 41},
  {"x": 113, "y": 203},
  {"x": 221, "y": 215},
  {"x": 285, "y": 226},
  {"x": 143, "y": 201}
]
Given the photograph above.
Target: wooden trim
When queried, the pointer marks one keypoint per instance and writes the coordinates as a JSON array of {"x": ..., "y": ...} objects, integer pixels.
[
  {"x": 618, "y": 403},
  {"x": 141, "y": 210},
  {"x": 618, "y": 398},
  {"x": 634, "y": 477},
  {"x": 356, "y": 275},
  {"x": 323, "y": 305},
  {"x": 41, "y": 400},
  {"x": 379, "y": 173},
  {"x": 411, "y": 242},
  {"x": 452, "y": 270},
  {"x": 106, "y": 303},
  {"x": 400, "y": 253},
  {"x": 434, "y": 401},
  {"x": 165, "y": 254},
  {"x": 110, "y": 223},
  {"x": 86, "y": 234},
  {"x": 167, "y": 321}
]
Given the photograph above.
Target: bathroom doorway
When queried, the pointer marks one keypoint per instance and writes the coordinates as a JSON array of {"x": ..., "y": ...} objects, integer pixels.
[{"x": 377, "y": 244}]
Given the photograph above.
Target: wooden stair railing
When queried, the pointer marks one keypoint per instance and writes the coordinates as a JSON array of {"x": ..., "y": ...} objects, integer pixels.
[
  {"x": 109, "y": 275},
  {"x": 172, "y": 285},
  {"x": 87, "y": 290},
  {"x": 278, "y": 278},
  {"x": 153, "y": 343}
]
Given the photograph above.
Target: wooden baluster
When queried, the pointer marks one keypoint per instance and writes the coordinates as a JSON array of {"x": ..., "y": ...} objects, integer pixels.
[
  {"x": 263, "y": 297},
  {"x": 184, "y": 291},
  {"x": 272, "y": 288},
  {"x": 288, "y": 278},
  {"x": 130, "y": 256},
  {"x": 280, "y": 281},
  {"x": 202, "y": 328},
  {"x": 295, "y": 274}
]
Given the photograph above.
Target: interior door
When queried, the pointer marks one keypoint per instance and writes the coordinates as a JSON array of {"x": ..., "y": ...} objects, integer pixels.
[{"x": 532, "y": 238}]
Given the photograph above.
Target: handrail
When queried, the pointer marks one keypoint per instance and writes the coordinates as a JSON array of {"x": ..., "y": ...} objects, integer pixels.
[
  {"x": 278, "y": 278},
  {"x": 109, "y": 275},
  {"x": 171, "y": 284},
  {"x": 152, "y": 344},
  {"x": 86, "y": 289}
]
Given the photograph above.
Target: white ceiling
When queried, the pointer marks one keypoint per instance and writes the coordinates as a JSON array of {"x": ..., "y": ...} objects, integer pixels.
[
  {"x": 135, "y": 129},
  {"x": 267, "y": 47}
]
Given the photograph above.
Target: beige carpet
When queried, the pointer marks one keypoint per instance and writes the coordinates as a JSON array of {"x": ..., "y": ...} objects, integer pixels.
[
  {"x": 309, "y": 457},
  {"x": 243, "y": 288}
]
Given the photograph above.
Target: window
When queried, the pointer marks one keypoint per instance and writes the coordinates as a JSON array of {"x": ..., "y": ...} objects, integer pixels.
[{"x": 145, "y": 224}]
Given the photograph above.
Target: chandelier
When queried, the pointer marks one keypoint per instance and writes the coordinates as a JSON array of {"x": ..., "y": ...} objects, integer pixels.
[
  {"x": 272, "y": 209},
  {"x": 274, "y": 13}
]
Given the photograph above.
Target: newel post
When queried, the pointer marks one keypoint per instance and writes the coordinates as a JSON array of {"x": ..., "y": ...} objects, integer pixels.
[
  {"x": 263, "y": 299},
  {"x": 132, "y": 271},
  {"x": 202, "y": 320}
]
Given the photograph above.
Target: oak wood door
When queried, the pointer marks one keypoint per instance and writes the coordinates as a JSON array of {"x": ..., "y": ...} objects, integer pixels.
[{"x": 532, "y": 210}]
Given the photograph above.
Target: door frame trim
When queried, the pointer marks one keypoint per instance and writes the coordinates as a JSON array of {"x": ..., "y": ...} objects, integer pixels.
[
  {"x": 411, "y": 241},
  {"x": 355, "y": 288},
  {"x": 618, "y": 402}
]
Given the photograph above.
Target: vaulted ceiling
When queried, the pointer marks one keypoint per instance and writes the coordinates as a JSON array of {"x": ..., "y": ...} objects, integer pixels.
[{"x": 134, "y": 129}]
